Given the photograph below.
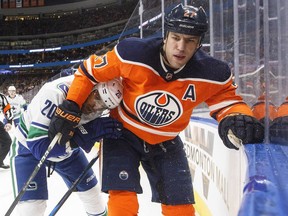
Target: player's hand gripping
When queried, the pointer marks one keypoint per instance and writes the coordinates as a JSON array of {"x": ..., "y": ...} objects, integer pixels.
[
  {"x": 86, "y": 135},
  {"x": 236, "y": 130},
  {"x": 66, "y": 118}
]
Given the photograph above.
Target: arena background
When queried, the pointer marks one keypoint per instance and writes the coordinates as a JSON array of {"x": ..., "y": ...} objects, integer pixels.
[{"x": 39, "y": 43}]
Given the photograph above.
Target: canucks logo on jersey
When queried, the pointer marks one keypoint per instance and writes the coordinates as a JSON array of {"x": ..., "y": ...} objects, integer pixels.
[{"x": 158, "y": 108}]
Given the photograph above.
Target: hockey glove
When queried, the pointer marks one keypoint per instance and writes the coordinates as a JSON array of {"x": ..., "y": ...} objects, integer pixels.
[
  {"x": 236, "y": 130},
  {"x": 65, "y": 119},
  {"x": 279, "y": 130},
  {"x": 86, "y": 135}
]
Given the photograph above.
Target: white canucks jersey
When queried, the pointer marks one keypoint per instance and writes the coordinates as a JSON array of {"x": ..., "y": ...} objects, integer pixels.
[
  {"x": 17, "y": 104},
  {"x": 34, "y": 122}
]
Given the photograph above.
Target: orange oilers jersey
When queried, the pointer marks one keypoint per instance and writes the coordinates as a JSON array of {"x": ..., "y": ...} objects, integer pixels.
[{"x": 157, "y": 101}]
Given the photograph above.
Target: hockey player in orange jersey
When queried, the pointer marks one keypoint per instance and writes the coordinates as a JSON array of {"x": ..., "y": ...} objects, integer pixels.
[{"x": 164, "y": 79}]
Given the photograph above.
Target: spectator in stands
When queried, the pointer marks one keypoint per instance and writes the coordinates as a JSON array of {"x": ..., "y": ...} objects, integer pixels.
[
  {"x": 67, "y": 21},
  {"x": 5, "y": 140}
]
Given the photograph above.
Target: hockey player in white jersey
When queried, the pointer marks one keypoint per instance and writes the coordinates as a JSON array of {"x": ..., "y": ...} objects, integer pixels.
[
  {"x": 68, "y": 161},
  {"x": 17, "y": 102}
]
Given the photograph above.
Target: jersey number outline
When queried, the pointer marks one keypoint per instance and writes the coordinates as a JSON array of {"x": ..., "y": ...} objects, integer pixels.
[
  {"x": 102, "y": 63},
  {"x": 49, "y": 109}
]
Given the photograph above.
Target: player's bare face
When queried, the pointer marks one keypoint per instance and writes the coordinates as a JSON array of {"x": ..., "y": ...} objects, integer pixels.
[
  {"x": 179, "y": 48},
  {"x": 12, "y": 93},
  {"x": 93, "y": 103}
]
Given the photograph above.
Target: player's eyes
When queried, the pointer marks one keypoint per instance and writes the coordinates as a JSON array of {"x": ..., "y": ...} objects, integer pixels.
[{"x": 176, "y": 38}]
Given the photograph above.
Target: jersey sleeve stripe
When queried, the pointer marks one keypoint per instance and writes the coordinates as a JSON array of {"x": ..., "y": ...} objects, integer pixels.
[
  {"x": 223, "y": 104},
  {"x": 128, "y": 113},
  {"x": 86, "y": 73},
  {"x": 39, "y": 125}
]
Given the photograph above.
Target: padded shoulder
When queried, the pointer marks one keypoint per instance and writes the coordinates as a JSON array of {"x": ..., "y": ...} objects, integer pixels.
[
  {"x": 144, "y": 51},
  {"x": 207, "y": 67}
]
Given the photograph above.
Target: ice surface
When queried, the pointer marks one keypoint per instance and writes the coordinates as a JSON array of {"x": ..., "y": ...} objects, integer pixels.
[{"x": 72, "y": 206}]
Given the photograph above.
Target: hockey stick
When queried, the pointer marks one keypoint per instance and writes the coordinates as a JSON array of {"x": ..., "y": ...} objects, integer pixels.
[
  {"x": 71, "y": 189},
  {"x": 34, "y": 173}
]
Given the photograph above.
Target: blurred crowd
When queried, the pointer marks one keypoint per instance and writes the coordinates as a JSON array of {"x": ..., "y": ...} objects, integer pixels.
[
  {"x": 23, "y": 82},
  {"x": 65, "y": 28},
  {"x": 28, "y": 80},
  {"x": 54, "y": 56},
  {"x": 64, "y": 22}
]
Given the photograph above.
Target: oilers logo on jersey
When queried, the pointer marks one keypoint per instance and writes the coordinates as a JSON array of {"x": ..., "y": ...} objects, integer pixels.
[{"x": 158, "y": 108}]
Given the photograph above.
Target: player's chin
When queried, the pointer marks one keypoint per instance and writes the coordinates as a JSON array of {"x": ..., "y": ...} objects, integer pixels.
[{"x": 177, "y": 64}]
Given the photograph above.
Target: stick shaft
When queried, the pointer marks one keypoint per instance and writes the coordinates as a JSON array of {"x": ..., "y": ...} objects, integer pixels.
[
  {"x": 71, "y": 189},
  {"x": 34, "y": 173}
]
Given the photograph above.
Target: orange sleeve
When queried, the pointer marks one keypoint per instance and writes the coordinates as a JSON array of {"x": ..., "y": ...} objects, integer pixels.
[
  {"x": 240, "y": 108},
  {"x": 80, "y": 89},
  {"x": 259, "y": 111},
  {"x": 226, "y": 102},
  {"x": 283, "y": 110},
  {"x": 93, "y": 70}
]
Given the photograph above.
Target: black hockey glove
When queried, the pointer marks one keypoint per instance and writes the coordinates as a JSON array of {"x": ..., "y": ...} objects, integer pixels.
[
  {"x": 278, "y": 130},
  {"x": 65, "y": 119},
  {"x": 236, "y": 130},
  {"x": 86, "y": 135}
]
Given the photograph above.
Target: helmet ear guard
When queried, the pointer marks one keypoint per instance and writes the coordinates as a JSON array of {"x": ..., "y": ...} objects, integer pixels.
[
  {"x": 186, "y": 20},
  {"x": 111, "y": 92}
]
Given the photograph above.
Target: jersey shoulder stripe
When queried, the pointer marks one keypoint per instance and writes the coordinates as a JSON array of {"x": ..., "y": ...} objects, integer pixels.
[
  {"x": 133, "y": 48},
  {"x": 147, "y": 52},
  {"x": 144, "y": 51}
]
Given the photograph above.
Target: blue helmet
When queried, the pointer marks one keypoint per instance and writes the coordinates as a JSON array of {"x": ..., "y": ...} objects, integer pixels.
[{"x": 186, "y": 20}]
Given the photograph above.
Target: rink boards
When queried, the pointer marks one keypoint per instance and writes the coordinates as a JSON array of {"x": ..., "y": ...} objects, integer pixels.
[{"x": 251, "y": 181}]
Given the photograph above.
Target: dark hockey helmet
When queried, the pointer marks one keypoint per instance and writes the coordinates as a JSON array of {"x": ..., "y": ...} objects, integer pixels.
[{"x": 186, "y": 20}]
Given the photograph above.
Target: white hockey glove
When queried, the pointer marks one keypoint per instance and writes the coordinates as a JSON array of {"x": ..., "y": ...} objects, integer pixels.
[{"x": 236, "y": 130}]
